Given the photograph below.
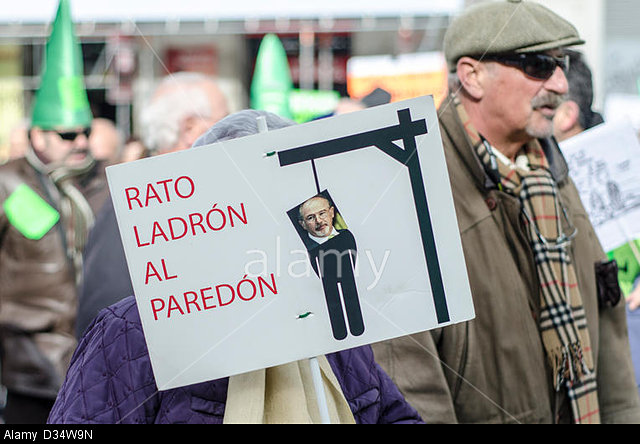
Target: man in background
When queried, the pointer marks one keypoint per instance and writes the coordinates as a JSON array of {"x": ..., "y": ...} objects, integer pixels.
[
  {"x": 48, "y": 198},
  {"x": 182, "y": 107},
  {"x": 576, "y": 114},
  {"x": 105, "y": 141}
]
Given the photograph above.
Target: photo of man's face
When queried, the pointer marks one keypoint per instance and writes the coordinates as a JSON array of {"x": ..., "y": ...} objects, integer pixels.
[
  {"x": 332, "y": 253},
  {"x": 316, "y": 216}
]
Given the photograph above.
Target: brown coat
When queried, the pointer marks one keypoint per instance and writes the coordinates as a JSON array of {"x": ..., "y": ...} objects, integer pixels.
[
  {"x": 492, "y": 369},
  {"x": 38, "y": 296}
]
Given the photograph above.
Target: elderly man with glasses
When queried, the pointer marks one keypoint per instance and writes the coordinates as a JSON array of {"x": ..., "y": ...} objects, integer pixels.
[{"x": 549, "y": 341}]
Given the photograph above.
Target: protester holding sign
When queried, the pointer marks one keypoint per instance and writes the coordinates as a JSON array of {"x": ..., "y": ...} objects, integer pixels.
[
  {"x": 545, "y": 346},
  {"x": 114, "y": 357},
  {"x": 48, "y": 202}
]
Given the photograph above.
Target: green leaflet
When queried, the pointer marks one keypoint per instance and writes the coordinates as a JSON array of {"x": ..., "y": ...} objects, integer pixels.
[{"x": 29, "y": 213}]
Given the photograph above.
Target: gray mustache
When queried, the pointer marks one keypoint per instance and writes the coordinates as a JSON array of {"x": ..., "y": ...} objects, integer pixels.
[{"x": 551, "y": 99}]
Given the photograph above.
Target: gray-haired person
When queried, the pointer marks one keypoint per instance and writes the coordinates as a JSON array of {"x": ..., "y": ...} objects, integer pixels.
[{"x": 182, "y": 108}]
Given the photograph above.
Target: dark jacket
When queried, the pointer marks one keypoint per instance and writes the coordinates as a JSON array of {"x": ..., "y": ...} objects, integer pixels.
[
  {"x": 38, "y": 295},
  {"x": 110, "y": 381},
  {"x": 104, "y": 261}
]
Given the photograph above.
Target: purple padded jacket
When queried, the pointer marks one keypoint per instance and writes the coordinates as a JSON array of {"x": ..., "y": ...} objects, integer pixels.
[{"x": 110, "y": 381}]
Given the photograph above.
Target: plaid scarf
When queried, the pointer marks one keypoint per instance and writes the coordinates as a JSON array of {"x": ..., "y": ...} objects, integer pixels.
[{"x": 563, "y": 323}]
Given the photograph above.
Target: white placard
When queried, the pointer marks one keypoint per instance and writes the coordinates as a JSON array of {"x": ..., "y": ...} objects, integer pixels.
[
  {"x": 604, "y": 163},
  {"x": 222, "y": 273}
]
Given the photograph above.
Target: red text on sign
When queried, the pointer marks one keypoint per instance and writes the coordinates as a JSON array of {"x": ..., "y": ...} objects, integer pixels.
[
  {"x": 193, "y": 224},
  {"x": 152, "y": 272},
  {"x": 207, "y": 298},
  {"x": 160, "y": 192}
]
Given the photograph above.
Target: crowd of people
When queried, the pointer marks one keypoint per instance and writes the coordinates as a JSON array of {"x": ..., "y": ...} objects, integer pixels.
[{"x": 549, "y": 342}]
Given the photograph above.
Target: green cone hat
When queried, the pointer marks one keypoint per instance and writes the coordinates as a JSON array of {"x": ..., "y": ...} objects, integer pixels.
[
  {"x": 271, "y": 84},
  {"x": 61, "y": 101}
]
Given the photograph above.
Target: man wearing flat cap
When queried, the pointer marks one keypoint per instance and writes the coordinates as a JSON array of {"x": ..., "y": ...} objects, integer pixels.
[{"x": 549, "y": 341}]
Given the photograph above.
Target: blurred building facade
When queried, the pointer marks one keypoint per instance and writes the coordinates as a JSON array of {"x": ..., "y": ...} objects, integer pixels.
[{"x": 128, "y": 44}]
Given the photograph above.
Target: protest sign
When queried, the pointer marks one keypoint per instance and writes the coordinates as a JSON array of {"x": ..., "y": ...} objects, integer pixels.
[
  {"x": 604, "y": 163},
  {"x": 225, "y": 273}
]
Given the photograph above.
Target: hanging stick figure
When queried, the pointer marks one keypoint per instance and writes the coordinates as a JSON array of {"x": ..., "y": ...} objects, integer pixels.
[
  {"x": 332, "y": 252},
  {"x": 384, "y": 139}
]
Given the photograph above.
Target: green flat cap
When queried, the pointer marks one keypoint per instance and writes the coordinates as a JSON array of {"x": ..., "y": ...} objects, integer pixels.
[{"x": 495, "y": 27}]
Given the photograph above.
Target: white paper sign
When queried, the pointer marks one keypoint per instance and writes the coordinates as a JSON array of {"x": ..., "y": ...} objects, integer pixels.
[
  {"x": 223, "y": 269},
  {"x": 604, "y": 163}
]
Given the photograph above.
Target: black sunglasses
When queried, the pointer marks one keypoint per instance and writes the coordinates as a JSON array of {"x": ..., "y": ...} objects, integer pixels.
[
  {"x": 71, "y": 135},
  {"x": 536, "y": 65}
]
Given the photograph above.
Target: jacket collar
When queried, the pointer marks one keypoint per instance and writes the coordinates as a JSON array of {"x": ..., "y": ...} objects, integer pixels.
[{"x": 451, "y": 127}]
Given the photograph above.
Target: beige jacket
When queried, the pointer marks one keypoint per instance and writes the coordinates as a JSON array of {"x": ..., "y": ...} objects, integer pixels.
[{"x": 492, "y": 369}]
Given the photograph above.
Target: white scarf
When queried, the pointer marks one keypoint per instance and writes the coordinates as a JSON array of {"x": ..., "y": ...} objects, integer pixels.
[{"x": 285, "y": 395}]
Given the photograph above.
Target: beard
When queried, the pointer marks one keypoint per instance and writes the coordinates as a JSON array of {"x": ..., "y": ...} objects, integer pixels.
[{"x": 541, "y": 124}]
